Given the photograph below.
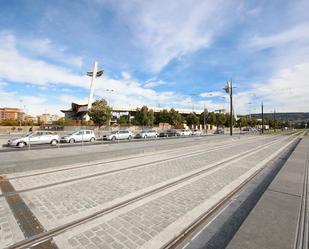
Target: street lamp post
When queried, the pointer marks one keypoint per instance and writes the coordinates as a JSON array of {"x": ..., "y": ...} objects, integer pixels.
[
  {"x": 274, "y": 120},
  {"x": 262, "y": 107},
  {"x": 250, "y": 103},
  {"x": 205, "y": 120},
  {"x": 229, "y": 89}
]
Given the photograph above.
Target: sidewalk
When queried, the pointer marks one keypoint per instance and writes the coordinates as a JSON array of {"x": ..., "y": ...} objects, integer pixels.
[{"x": 273, "y": 221}]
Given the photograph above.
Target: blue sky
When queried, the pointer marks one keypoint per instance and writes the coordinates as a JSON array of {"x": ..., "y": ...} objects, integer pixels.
[{"x": 158, "y": 53}]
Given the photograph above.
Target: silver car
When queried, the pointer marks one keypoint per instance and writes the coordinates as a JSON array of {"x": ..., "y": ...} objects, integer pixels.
[
  {"x": 118, "y": 135},
  {"x": 184, "y": 132},
  {"x": 37, "y": 137},
  {"x": 146, "y": 134},
  {"x": 197, "y": 132},
  {"x": 78, "y": 136}
]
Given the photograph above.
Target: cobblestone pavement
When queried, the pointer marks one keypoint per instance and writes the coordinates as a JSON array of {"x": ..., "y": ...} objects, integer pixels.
[
  {"x": 88, "y": 169},
  {"x": 57, "y": 205},
  {"x": 9, "y": 230},
  {"x": 139, "y": 225},
  {"x": 143, "y": 221}
]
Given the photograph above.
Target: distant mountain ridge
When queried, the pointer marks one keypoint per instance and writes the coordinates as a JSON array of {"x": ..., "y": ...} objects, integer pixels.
[{"x": 286, "y": 116}]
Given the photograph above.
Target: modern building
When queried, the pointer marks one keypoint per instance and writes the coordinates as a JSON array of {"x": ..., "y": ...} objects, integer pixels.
[
  {"x": 47, "y": 118},
  {"x": 31, "y": 119},
  {"x": 11, "y": 113},
  {"x": 78, "y": 111}
]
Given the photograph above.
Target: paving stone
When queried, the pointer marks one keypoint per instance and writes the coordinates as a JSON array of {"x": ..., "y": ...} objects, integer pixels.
[
  {"x": 9, "y": 229},
  {"x": 94, "y": 192}
]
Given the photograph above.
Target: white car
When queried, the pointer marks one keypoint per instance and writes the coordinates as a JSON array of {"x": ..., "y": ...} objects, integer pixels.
[
  {"x": 37, "y": 137},
  {"x": 78, "y": 136},
  {"x": 118, "y": 135},
  {"x": 197, "y": 132},
  {"x": 146, "y": 134},
  {"x": 184, "y": 132}
]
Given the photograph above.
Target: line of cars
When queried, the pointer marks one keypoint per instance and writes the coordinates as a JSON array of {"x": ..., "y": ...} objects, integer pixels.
[{"x": 48, "y": 137}]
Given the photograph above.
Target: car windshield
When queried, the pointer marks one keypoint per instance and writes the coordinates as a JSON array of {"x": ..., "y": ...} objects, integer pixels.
[
  {"x": 27, "y": 134},
  {"x": 114, "y": 132}
]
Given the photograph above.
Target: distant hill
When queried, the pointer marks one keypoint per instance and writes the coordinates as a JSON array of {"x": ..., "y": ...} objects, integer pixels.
[{"x": 295, "y": 117}]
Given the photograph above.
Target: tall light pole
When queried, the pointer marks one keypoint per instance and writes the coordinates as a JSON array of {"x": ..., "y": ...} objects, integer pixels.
[
  {"x": 95, "y": 73},
  {"x": 205, "y": 120},
  {"x": 229, "y": 89},
  {"x": 249, "y": 103},
  {"x": 262, "y": 107},
  {"x": 274, "y": 120}
]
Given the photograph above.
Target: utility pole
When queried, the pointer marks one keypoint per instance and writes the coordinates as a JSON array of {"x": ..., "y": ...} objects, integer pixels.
[
  {"x": 275, "y": 120},
  {"x": 229, "y": 89},
  {"x": 262, "y": 118},
  {"x": 231, "y": 108},
  {"x": 205, "y": 121}
]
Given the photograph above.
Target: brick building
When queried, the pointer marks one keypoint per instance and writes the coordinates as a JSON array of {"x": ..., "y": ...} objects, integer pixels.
[{"x": 11, "y": 113}]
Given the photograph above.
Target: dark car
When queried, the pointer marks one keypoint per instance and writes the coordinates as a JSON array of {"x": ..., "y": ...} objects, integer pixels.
[
  {"x": 168, "y": 133},
  {"x": 219, "y": 131}
]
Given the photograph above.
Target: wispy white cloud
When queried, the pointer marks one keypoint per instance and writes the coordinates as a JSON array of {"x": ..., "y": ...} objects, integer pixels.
[
  {"x": 288, "y": 89},
  {"x": 20, "y": 69},
  {"x": 168, "y": 30},
  {"x": 212, "y": 94},
  {"x": 31, "y": 104},
  {"x": 296, "y": 34},
  {"x": 16, "y": 67},
  {"x": 152, "y": 84},
  {"x": 45, "y": 48}
]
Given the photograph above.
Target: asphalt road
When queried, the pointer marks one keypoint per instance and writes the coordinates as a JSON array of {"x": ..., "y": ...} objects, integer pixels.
[{"x": 41, "y": 157}]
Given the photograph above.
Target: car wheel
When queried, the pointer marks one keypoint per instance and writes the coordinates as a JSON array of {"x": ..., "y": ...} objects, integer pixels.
[
  {"x": 71, "y": 141},
  {"x": 113, "y": 139},
  {"x": 53, "y": 142},
  {"x": 130, "y": 137},
  {"x": 21, "y": 144},
  {"x": 92, "y": 139}
]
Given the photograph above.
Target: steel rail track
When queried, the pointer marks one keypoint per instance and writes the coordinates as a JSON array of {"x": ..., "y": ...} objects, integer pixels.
[
  {"x": 302, "y": 230},
  {"x": 116, "y": 170},
  {"x": 37, "y": 239},
  {"x": 207, "y": 216}
]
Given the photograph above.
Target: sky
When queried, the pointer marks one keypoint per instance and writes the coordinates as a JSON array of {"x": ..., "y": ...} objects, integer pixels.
[{"x": 163, "y": 53}]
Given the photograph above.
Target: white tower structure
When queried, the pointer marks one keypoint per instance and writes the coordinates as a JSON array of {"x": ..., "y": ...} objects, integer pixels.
[{"x": 95, "y": 73}]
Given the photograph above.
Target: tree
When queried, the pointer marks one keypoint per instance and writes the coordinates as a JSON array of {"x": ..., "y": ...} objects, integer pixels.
[
  {"x": 62, "y": 121},
  {"x": 175, "y": 118},
  {"x": 192, "y": 119},
  {"x": 100, "y": 113},
  {"x": 242, "y": 122},
  {"x": 9, "y": 122},
  {"x": 212, "y": 119},
  {"x": 122, "y": 120},
  {"x": 144, "y": 116},
  {"x": 204, "y": 117},
  {"x": 221, "y": 119},
  {"x": 162, "y": 117}
]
